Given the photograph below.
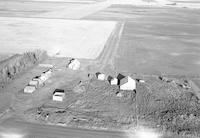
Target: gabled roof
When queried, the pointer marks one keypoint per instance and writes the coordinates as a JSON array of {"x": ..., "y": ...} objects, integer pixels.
[
  {"x": 124, "y": 80},
  {"x": 109, "y": 78},
  {"x": 36, "y": 77},
  {"x": 99, "y": 73},
  {"x": 120, "y": 76},
  {"x": 71, "y": 60},
  {"x": 59, "y": 91}
]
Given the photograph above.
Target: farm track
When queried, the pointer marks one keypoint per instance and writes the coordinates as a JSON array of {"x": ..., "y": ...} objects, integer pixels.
[{"x": 107, "y": 55}]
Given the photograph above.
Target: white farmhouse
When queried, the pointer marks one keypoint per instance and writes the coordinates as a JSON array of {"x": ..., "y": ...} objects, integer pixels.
[
  {"x": 127, "y": 83},
  {"x": 74, "y": 64},
  {"x": 29, "y": 89},
  {"x": 100, "y": 76},
  {"x": 58, "y": 95}
]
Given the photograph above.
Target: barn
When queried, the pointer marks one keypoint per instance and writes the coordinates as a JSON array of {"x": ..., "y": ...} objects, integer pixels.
[{"x": 127, "y": 83}]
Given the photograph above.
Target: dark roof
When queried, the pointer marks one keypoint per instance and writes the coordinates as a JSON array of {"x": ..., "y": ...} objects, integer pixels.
[
  {"x": 59, "y": 90},
  {"x": 71, "y": 60},
  {"x": 36, "y": 77},
  {"x": 109, "y": 78},
  {"x": 120, "y": 76},
  {"x": 124, "y": 80},
  {"x": 97, "y": 74}
]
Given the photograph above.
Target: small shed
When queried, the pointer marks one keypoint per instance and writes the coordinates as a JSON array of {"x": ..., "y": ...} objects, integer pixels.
[
  {"x": 29, "y": 89},
  {"x": 33, "y": 83},
  {"x": 140, "y": 80},
  {"x": 74, "y": 64},
  {"x": 59, "y": 95},
  {"x": 100, "y": 76},
  {"x": 43, "y": 77},
  {"x": 112, "y": 80},
  {"x": 127, "y": 83},
  {"x": 37, "y": 78},
  {"x": 48, "y": 72}
]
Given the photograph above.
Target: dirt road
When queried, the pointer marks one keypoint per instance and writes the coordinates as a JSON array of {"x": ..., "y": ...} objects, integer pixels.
[{"x": 29, "y": 130}]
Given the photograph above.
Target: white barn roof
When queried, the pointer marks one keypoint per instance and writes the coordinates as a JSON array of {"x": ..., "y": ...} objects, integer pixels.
[
  {"x": 74, "y": 64},
  {"x": 29, "y": 89},
  {"x": 33, "y": 83},
  {"x": 100, "y": 76},
  {"x": 127, "y": 83}
]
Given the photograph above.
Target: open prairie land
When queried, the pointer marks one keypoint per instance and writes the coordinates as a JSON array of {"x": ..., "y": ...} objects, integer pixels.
[
  {"x": 69, "y": 38},
  {"x": 127, "y": 39},
  {"x": 156, "y": 40}
]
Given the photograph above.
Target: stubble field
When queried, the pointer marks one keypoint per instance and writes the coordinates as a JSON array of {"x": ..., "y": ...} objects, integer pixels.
[{"x": 68, "y": 38}]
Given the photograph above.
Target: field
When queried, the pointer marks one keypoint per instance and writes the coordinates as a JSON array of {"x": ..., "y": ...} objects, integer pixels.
[
  {"x": 159, "y": 45},
  {"x": 71, "y": 38},
  {"x": 156, "y": 40}
]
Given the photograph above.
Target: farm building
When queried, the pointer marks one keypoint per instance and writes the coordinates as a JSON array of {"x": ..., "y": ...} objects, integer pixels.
[
  {"x": 58, "y": 95},
  {"x": 112, "y": 81},
  {"x": 127, "y": 83},
  {"x": 33, "y": 83},
  {"x": 29, "y": 89},
  {"x": 44, "y": 76},
  {"x": 119, "y": 77},
  {"x": 37, "y": 78},
  {"x": 100, "y": 76},
  {"x": 48, "y": 72},
  {"x": 74, "y": 64},
  {"x": 140, "y": 80}
]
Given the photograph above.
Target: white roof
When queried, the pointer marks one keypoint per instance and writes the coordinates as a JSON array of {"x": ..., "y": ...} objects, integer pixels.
[{"x": 127, "y": 83}]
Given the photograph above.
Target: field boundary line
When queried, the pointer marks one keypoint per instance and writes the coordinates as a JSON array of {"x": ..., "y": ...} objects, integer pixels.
[{"x": 107, "y": 55}]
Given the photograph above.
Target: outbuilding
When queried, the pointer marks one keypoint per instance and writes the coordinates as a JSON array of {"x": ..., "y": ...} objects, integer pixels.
[
  {"x": 74, "y": 64},
  {"x": 33, "y": 83},
  {"x": 112, "y": 80},
  {"x": 59, "y": 95},
  {"x": 127, "y": 83},
  {"x": 37, "y": 78},
  {"x": 43, "y": 77},
  {"x": 29, "y": 89},
  {"x": 48, "y": 73},
  {"x": 100, "y": 76}
]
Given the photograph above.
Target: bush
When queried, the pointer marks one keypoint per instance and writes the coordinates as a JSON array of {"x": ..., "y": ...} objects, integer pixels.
[{"x": 9, "y": 68}]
